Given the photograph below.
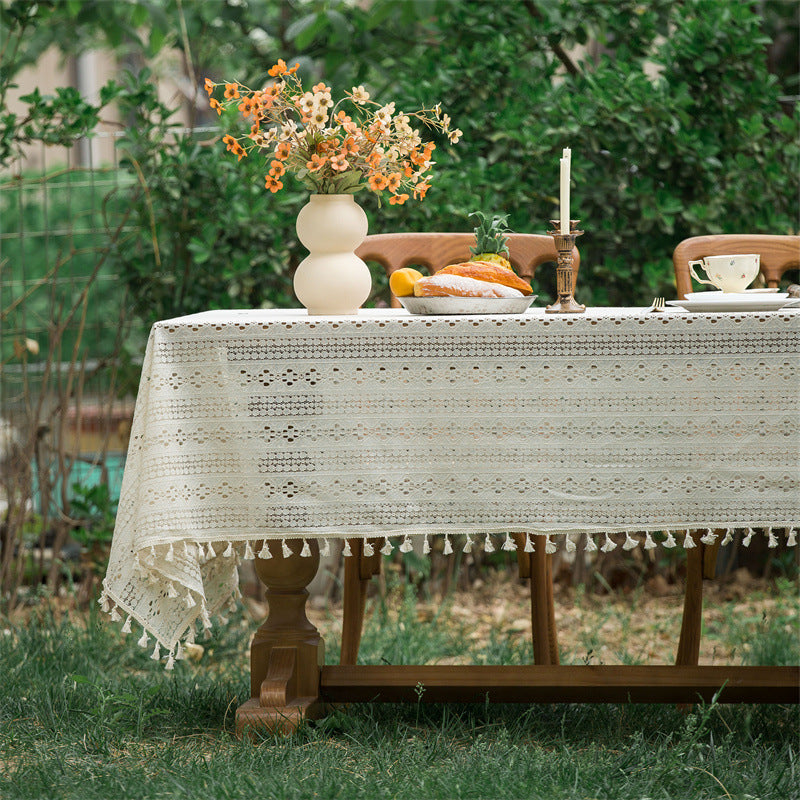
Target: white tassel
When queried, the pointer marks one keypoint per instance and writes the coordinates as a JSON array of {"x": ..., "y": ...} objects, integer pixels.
[
  {"x": 630, "y": 543},
  {"x": 467, "y": 548},
  {"x": 649, "y": 544},
  {"x": 156, "y": 653},
  {"x": 748, "y": 536},
  {"x": 569, "y": 545},
  {"x": 608, "y": 545},
  {"x": 151, "y": 559},
  {"x": 306, "y": 551},
  {"x": 210, "y": 551},
  {"x": 426, "y": 545},
  {"x": 144, "y": 640},
  {"x": 171, "y": 590},
  {"x": 170, "y": 556},
  {"x": 688, "y": 541},
  {"x": 369, "y": 550},
  {"x": 137, "y": 565},
  {"x": 201, "y": 554},
  {"x": 190, "y": 635},
  {"x": 179, "y": 654},
  {"x": 549, "y": 545},
  {"x": 448, "y": 548},
  {"x": 170, "y": 661},
  {"x": 728, "y": 536},
  {"x": 509, "y": 544},
  {"x": 186, "y": 553},
  {"x": 326, "y": 549},
  {"x": 228, "y": 551},
  {"x": 528, "y": 544},
  {"x": 773, "y": 539},
  {"x": 190, "y": 601},
  {"x": 386, "y": 550},
  {"x": 126, "y": 628},
  {"x": 488, "y": 545},
  {"x": 406, "y": 546},
  {"x": 204, "y": 615},
  {"x": 709, "y": 538},
  {"x": 249, "y": 555},
  {"x": 791, "y": 539},
  {"x": 591, "y": 545},
  {"x": 285, "y": 549},
  {"x": 105, "y": 603},
  {"x": 670, "y": 540},
  {"x": 347, "y": 551},
  {"x": 264, "y": 553},
  {"x": 115, "y": 615}
]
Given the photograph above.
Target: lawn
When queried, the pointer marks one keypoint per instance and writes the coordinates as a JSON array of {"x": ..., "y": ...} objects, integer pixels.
[{"x": 85, "y": 714}]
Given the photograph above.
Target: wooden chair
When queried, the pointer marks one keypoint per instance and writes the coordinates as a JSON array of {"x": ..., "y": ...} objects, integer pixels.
[
  {"x": 433, "y": 251},
  {"x": 778, "y": 254}
]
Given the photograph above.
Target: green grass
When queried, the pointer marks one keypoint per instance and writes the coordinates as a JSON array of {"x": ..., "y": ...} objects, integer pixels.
[{"x": 85, "y": 714}]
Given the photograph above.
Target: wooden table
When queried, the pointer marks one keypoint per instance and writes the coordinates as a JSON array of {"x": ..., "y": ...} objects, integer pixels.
[{"x": 279, "y": 430}]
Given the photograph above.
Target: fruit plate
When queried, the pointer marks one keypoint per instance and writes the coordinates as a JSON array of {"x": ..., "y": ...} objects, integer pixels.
[{"x": 429, "y": 306}]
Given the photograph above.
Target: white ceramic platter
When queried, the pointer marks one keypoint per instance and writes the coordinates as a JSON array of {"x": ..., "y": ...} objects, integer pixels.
[
  {"x": 737, "y": 302},
  {"x": 435, "y": 306}
]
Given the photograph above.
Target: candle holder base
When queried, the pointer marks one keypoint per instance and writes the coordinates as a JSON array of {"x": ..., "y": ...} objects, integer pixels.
[{"x": 565, "y": 277}]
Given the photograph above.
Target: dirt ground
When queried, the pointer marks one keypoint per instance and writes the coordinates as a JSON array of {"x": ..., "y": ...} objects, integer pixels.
[{"x": 641, "y": 626}]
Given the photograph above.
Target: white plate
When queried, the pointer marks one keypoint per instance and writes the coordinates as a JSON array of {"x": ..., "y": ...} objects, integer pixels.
[
  {"x": 466, "y": 305},
  {"x": 747, "y": 293},
  {"x": 737, "y": 302}
]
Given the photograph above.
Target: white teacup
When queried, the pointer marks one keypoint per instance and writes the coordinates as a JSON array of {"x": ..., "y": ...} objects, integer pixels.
[{"x": 728, "y": 273}]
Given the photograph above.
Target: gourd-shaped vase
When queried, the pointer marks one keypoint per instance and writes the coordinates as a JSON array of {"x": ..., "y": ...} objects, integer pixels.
[{"x": 332, "y": 279}]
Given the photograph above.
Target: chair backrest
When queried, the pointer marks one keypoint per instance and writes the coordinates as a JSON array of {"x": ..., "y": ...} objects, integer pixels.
[
  {"x": 433, "y": 251},
  {"x": 778, "y": 254}
]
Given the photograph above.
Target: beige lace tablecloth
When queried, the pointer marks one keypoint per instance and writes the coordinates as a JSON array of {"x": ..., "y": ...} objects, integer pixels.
[{"x": 268, "y": 425}]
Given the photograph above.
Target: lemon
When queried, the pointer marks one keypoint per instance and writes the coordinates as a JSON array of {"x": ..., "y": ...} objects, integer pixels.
[{"x": 402, "y": 281}]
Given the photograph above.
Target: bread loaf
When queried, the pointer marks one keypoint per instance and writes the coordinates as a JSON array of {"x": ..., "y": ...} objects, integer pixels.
[
  {"x": 488, "y": 271},
  {"x": 440, "y": 285}
]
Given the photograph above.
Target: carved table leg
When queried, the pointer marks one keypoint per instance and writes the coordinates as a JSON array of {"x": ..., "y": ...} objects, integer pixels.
[
  {"x": 358, "y": 570},
  {"x": 287, "y": 651}
]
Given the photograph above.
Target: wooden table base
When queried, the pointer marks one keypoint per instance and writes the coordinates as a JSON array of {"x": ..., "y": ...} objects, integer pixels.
[{"x": 289, "y": 684}]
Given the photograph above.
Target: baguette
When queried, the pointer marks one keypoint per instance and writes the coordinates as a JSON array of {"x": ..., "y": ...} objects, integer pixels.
[
  {"x": 440, "y": 285},
  {"x": 488, "y": 271}
]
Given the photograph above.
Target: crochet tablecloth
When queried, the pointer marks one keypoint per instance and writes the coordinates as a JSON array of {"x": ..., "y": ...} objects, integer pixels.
[{"x": 252, "y": 427}]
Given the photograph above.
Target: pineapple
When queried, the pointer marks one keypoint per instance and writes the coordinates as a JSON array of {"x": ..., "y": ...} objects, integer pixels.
[{"x": 490, "y": 243}]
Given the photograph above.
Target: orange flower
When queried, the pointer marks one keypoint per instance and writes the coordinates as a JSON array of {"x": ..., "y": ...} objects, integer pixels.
[
  {"x": 320, "y": 87},
  {"x": 231, "y": 91},
  {"x": 209, "y": 86},
  {"x": 421, "y": 190},
  {"x": 341, "y": 118},
  {"x": 408, "y": 170},
  {"x": 215, "y": 105},
  {"x": 398, "y": 199},
  {"x": 377, "y": 182},
  {"x": 255, "y": 127},
  {"x": 349, "y": 147},
  {"x": 339, "y": 163},
  {"x": 276, "y": 169},
  {"x": 374, "y": 159},
  {"x": 394, "y": 181},
  {"x": 282, "y": 151},
  {"x": 278, "y": 69},
  {"x": 273, "y": 184},
  {"x": 316, "y": 163}
]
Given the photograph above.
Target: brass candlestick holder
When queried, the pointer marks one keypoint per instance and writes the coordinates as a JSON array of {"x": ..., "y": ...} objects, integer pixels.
[{"x": 565, "y": 278}]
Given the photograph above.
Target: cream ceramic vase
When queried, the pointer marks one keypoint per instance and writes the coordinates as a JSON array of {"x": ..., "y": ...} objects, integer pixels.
[{"x": 332, "y": 279}]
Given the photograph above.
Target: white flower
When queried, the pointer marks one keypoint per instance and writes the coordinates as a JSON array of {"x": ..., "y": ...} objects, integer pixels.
[
  {"x": 323, "y": 100},
  {"x": 455, "y": 135},
  {"x": 445, "y": 121},
  {"x": 306, "y": 103},
  {"x": 360, "y": 95},
  {"x": 319, "y": 117},
  {"x": 288, "y": 130}
]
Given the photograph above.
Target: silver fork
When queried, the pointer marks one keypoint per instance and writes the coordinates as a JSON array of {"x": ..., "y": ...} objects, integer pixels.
[{"x": 658, "y": 304}]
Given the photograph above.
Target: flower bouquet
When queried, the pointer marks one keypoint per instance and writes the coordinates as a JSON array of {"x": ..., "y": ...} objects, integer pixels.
[
  {"x": 329, "y": 148},
  {"x": 336, "y": 150}
]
